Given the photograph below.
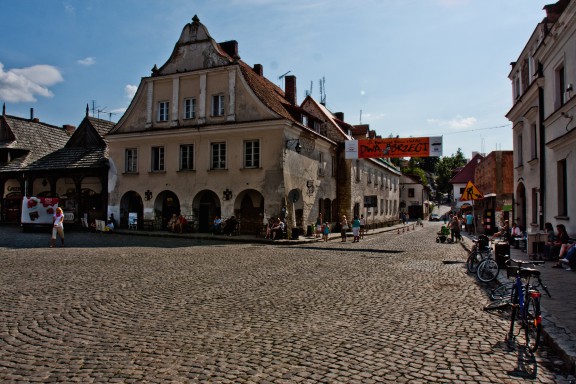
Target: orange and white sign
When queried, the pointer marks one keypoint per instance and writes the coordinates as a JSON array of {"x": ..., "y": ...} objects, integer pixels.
[{"x": 394, "y": 147}]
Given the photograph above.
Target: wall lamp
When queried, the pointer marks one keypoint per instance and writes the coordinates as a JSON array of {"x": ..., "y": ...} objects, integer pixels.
[
  {"x": 297, "y": 147},
  {"x": 227, "y": 194}
]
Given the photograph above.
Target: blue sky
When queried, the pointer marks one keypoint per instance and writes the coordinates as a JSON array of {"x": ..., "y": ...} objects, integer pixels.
[{"x": 406, "y": 67}]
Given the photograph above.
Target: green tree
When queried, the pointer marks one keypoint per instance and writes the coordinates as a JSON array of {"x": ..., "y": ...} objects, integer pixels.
[{"x": 445, "y": 170}]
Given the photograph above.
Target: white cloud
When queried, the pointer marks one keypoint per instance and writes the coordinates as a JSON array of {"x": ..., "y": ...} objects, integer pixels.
[
  {"x": 23, "y": 84},
  {"x": 458, "y": 122},
  {"x": 69, "y": 8},
  {"x": 87, "y": 61},
  {"x": 130, "y": 90}
]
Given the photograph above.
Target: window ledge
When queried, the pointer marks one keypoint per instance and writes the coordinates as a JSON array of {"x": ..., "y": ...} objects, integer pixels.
[
  {"x": 533, "y": 161},
  {"x": 250, "y": 168},
  {"x": 186, "y": 171},
  {"x": 156, "y": 172},
  {"x": 131, "y": 173},
  {"x": 561, "y": 217}
]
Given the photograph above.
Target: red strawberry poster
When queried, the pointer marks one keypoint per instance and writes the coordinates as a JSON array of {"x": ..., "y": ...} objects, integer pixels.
[{"x": 38, "y": 210}]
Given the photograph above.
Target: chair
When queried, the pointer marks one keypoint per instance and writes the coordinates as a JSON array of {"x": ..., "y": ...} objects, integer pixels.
[{"x": 133, "y": 223}]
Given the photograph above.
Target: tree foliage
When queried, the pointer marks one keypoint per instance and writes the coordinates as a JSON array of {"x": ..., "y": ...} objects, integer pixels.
[{"x": 445, "y": 170}]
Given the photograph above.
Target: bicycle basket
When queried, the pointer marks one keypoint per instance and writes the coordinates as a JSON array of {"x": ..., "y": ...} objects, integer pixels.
[
  {"x": 512, "y": 271},
  {"x": 483, "y": 242}
]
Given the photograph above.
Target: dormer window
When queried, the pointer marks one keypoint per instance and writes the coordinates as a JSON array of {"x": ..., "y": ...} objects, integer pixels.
[
  {"x": 218, "y": 105},
  {"x": 163, "y": 110},
  {"x": 189, "y": 108}
]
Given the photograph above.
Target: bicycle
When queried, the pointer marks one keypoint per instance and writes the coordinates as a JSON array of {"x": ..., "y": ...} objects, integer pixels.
[
  {"x": 480, "y": 250},
  {"x": 488, "y": 269},
  {"x": 524, "y": 300}
]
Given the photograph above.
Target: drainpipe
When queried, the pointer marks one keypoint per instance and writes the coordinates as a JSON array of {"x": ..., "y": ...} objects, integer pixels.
[{"x": 542, "y": 139}]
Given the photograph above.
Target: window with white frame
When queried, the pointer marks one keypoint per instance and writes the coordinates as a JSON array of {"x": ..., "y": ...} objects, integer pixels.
[
  {"x": 157, "y": 159},
  {"x": 131, "y": 160},
  {"x": 252, "y": 154},
  {"x": 163, "y": 107},
  {"x": 189, "y": 108},
  {"x": 218, "y": 153},
  {"x": 218, "y": 105},
  {"x": 186, "y": 157}
]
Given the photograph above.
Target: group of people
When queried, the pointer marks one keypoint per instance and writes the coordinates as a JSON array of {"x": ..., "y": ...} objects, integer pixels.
[
  {"x": 358, "y": 226},
  {"x": 224, "y": 226},
  {"x": 275, "y": 228},
  {"x": 177, "y": 223},
  {"x": 558, "y": 245}
]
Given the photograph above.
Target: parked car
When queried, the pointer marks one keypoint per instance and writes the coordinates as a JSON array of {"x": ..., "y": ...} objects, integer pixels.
[{"x": 434, "y": 217}]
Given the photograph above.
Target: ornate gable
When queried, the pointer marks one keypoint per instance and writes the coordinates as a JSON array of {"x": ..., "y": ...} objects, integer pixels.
[{"x": 195, "y": 50}]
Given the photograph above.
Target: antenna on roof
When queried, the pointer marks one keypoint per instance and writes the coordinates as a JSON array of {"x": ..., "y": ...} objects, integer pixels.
[
  {"x": 322, "y": 82},
  {"x": 360, "y": 116},
  {"x": 309, "y": 92},
  {"x": 283, "y": 76}
]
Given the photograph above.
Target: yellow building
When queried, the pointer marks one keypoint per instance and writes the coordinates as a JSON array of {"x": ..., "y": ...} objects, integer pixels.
[{"x": 208, "y": 135}]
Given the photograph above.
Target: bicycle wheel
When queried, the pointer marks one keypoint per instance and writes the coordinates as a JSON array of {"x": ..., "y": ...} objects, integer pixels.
[
  {"x": 501, "y": 303},
  {"x": 532, "y": 323},
  {"x": 487, "y": 270},
  {"x": 503, "y": 291},
  {"x": 474, "y": 258}
]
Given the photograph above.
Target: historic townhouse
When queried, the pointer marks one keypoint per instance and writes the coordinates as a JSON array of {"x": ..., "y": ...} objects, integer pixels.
[
  {"x": 208, "y": 135},
  {"x": 543, "y": 118}
]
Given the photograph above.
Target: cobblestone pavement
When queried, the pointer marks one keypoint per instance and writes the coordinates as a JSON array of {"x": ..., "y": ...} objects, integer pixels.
[{"x": 394, "y": 308}]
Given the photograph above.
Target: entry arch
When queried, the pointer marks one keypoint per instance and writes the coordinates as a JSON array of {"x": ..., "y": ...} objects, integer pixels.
[
  {"x": 249, "y": 208},
  {"x": 131, "y": 202},
  {"x": 205, "y": 206}
]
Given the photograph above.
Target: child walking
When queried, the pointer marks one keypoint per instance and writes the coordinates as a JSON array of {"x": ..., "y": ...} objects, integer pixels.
[{"x": 325, "y": 231}]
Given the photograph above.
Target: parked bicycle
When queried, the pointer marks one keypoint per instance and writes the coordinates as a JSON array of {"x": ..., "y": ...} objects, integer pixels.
[
  {"x": 523, "y": 297},
  {"x": 488, "y": 269},
  {"x": 480, "y": 250}
]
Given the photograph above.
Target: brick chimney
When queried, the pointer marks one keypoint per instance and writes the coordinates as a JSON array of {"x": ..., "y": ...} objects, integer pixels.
[
  {"x": 259, "y": 69},
  {"x": 290, "y": 91},
  {"x": 231, "y": 48},
  {"x": 69, "y": 129}
]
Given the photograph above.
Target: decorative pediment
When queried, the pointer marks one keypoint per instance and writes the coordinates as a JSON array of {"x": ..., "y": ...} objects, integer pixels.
[{"x": 195, "y": 50}]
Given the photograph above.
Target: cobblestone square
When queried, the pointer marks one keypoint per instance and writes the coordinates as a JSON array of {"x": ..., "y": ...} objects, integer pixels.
[{"x": 393, "y": 308}]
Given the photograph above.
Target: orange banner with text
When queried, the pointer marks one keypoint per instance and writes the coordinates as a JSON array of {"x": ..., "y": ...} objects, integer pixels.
[{"x": 394, "y": 147}]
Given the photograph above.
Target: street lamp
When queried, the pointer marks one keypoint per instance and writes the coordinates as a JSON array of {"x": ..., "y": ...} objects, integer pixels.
[{"x": 297, "y": 147}]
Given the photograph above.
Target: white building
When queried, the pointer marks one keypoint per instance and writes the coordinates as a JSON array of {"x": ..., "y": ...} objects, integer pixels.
[{"x": 544, "y": 121}]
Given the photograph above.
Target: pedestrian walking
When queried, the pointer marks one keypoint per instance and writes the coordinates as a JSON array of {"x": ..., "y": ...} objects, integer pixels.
[
  {"x": 58, "y": 227},
  {"x": 343, "y": 227},
  {"x": 356, "y": 229}
]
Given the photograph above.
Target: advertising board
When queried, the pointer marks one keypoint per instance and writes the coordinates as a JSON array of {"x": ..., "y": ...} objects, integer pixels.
[{"x": 38, "y": 210}]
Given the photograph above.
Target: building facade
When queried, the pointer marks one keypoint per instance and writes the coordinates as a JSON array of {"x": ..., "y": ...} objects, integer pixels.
[
  {"x": 543, "y": 118},
  {"x": 208, "y": 135},
  {"x": 42, "y": 160}
]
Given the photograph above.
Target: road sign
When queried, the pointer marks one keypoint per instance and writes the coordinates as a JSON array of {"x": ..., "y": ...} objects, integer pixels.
[{"x": 471, "y": 193}]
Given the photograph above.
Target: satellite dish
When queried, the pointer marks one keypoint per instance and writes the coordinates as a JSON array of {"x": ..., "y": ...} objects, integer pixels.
[{"x": 294, "y": 195}]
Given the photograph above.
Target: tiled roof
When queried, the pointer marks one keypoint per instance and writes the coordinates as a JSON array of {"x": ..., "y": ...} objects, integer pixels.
[
  {"x": 270, "y": 94},
  {"x": 467, "y": 173},
  {"x": 36, "y": 138}
]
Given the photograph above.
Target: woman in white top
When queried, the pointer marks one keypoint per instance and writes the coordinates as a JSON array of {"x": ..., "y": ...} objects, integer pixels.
[{"x": 58, "y": 227}]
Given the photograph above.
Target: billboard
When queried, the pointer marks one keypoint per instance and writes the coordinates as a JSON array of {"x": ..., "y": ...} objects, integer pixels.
[
  {"x": 393, "y": 147},
  {"x": 38, "y": 210}
]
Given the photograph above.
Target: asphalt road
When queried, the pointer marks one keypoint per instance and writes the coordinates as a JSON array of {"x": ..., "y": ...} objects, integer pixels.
[{"x": 393, "y": 308}]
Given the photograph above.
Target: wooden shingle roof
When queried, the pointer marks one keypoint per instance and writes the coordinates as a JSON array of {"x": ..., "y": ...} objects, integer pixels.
[{"x": 31, "y": 138}]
